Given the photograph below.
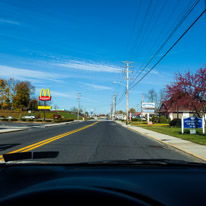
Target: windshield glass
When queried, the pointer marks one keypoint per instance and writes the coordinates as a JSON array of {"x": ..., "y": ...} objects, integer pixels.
[{"x": 107, "y": 81}]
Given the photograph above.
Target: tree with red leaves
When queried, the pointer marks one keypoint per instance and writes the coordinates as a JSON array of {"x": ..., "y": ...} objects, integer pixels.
[{"x": 188, "y": 91}]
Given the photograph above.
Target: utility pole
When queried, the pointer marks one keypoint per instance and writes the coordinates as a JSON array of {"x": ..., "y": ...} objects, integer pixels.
[
  {"x": 111, "y": 110},
  {"x": 115, "y": 100},
  {"x": 78, "y": 97},
  {"x": 127, "y": 71}
]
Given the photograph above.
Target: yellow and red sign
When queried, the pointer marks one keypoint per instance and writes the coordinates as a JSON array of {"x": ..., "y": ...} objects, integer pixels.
[
  {"x": 44, "y": 107},
  {"x": 45, "y": 97}
]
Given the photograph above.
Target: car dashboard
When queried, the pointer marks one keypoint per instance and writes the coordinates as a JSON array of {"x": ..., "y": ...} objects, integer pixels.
[{"x": 101, "y": 184}]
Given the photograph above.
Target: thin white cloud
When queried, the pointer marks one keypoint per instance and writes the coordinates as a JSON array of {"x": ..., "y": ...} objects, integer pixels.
[
  {"x": 6, "y": 21},
  {"x": 61, "y": 94},
  {"x": 98, "y": 87},
  {"x": 26, "y": 74},
  {"x": 94, "y": 67}
]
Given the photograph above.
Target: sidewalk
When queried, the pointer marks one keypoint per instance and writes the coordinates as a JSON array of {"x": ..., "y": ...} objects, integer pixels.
[{"x": 191, "y": 148}]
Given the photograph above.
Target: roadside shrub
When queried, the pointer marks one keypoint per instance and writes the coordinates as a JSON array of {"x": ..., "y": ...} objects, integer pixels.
[
  {"x": 175, "y": 122},
  {"x": 64, "y": 120},
  {"x": 13, "y": 119},
  {"x": 48, "y": 120},
  {"x": 38, "y": 120},
  {"x": 155, "y": 119},
  {"x": 162, "y": 119},
  {"x": 4, "y": 119}
]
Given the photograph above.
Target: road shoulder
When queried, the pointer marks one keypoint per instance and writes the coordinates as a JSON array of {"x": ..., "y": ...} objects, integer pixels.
[{"x": 191, "y": 148}]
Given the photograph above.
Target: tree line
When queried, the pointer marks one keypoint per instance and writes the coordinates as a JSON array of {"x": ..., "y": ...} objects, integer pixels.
[{"x": 15, "y": 94}]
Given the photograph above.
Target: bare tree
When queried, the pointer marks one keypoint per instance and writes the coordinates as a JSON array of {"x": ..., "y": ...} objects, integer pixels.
[{"x": 152, "y": 96}]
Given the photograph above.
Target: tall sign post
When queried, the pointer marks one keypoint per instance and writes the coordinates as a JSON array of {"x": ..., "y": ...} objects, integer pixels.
[
  {"x": 44, "y": 97},
  {"x": 148, "y": 107}
]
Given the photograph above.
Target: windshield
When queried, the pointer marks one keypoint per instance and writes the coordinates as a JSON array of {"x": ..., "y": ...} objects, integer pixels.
[{"x": 102, "y": 81}]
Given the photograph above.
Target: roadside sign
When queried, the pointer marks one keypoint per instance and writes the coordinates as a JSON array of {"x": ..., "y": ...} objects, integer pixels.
[
  {"x": 148, "y": 105},
  {"x": 45, "y": 97},
  {"x": 44, "y": 107},
  {"x": 193, "y": 123},
  {"x": 193, "y": 131}
]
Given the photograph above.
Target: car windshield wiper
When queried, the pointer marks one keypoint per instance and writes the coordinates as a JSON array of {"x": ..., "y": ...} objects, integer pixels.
[
  {"x": 30, "y": 155},
  {"x": 149, "y": 162}
]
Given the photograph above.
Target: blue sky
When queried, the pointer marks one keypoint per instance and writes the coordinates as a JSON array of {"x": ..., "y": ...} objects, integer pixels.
[{"x": 77, "y": 46}]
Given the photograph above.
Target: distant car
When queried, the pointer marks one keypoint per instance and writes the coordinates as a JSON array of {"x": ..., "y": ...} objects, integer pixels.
[
  {"x": 10, "y": 117},
  {"x": 28, "y": 117}
]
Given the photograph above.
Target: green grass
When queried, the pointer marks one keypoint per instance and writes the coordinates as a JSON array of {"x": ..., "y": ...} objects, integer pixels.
[
  {"x": 49, "y": 114},
  {"x": 198, "y": 138}
]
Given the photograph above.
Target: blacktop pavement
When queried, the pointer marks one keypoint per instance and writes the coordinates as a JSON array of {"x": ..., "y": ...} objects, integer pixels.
[{"x": 191, "y": 148}]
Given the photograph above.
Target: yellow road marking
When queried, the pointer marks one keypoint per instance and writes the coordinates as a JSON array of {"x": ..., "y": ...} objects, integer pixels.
[{"x": 46, "y": 141}]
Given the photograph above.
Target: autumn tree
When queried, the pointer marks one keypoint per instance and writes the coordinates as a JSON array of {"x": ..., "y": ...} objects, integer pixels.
[
  {"x": 120, "y": 112},
  {"x": 3, "y": 90},
  {"x": 188, "y": 91},
  {"x": 33, "y": 104},
  {"x": 22, "y": 96},
  {"x": 132, "y": 110}
]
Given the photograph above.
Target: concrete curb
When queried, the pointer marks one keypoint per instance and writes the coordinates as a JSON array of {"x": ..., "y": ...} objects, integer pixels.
[
  {"x": 196, "y": 150},
  {"x": 62, "y": 123},
  {"x": 12, "y": 130}
]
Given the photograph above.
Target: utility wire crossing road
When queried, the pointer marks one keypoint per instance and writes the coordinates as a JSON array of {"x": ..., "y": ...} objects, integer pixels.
[{"x": 88, "y": 142}]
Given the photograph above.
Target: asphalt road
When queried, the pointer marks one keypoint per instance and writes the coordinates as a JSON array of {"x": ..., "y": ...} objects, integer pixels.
[{"x": 88, "y": 142}]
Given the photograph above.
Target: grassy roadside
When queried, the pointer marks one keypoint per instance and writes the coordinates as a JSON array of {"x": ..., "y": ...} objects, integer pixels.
[
  {"x": 198, "y": 138},
  {"x": 49, "y": 114}
]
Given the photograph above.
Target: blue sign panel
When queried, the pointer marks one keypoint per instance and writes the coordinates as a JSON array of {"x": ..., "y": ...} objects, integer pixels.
[{"x": 192, "y": 122}]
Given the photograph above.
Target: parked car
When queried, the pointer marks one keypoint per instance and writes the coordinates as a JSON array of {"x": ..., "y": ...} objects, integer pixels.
[
  {"x": 57, "y": 116},
  {"x": 10, "y": 117},
  {"x": 28, "y": 117}
]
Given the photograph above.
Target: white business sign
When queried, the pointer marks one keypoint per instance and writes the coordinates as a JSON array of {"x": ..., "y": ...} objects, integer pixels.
[{"x": 148, "y": 105}]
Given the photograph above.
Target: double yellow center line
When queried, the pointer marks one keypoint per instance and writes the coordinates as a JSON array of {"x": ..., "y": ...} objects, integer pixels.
[{"x": 46, "y": 141}]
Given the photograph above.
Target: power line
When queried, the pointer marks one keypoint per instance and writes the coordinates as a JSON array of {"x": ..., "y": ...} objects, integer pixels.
[
  {"x": 132, "y": 31},
  {"x": 169, "y": 49},
  {"x": 171, "y": 34},
  {"x": 147, "y": 27},
  {"x": 140, "y": 29},
  {"x": 166, "y": 23}
]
